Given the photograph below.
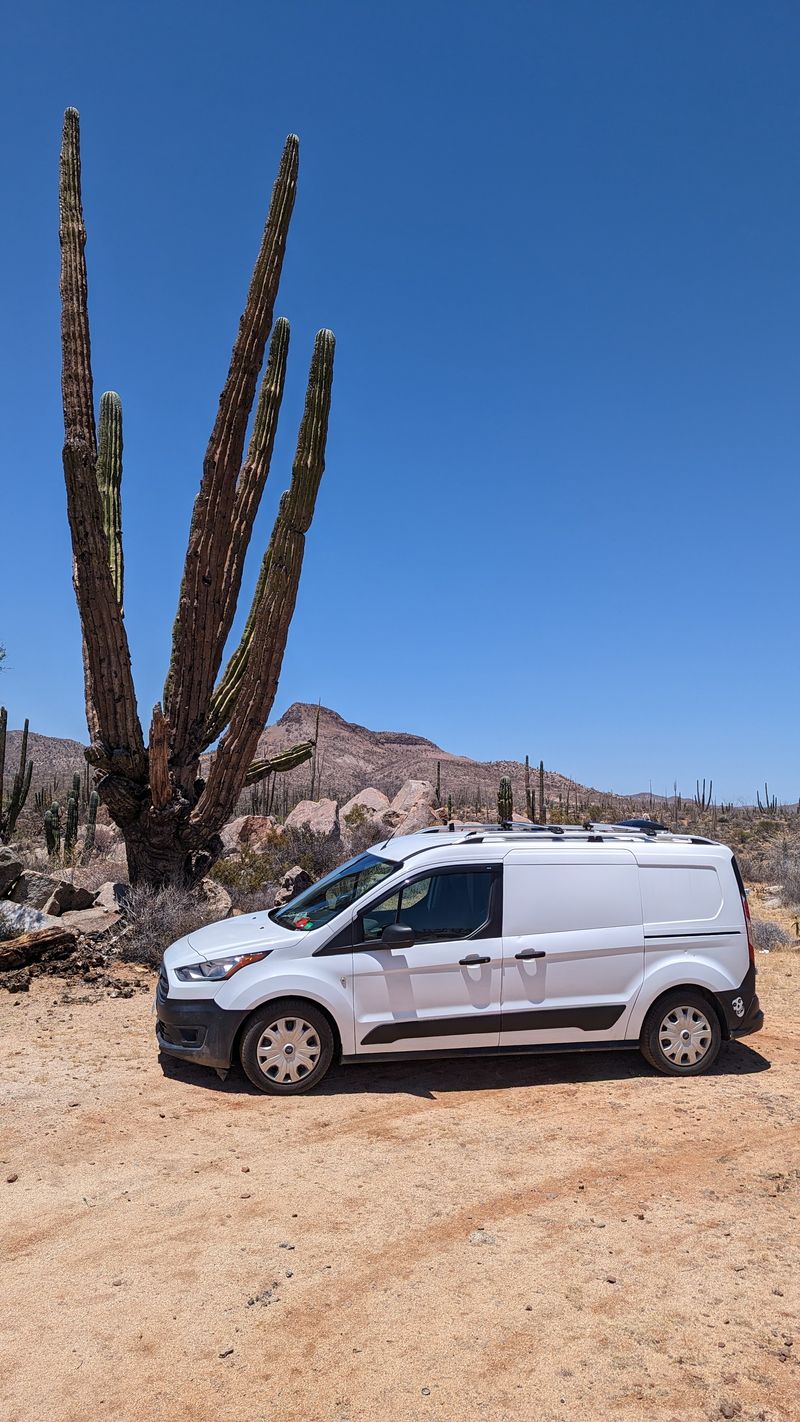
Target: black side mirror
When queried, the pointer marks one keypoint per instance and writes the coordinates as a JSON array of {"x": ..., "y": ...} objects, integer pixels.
[{"x": 397, "y": 935}]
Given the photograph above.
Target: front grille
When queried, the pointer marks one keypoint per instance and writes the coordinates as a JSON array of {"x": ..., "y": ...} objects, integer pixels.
[{"x": 163, "y": 983}]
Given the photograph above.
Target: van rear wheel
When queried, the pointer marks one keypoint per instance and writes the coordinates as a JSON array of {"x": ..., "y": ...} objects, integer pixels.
[
  {"x": 287, "y": 1047},
  {"x": 681, "y": 1034}
]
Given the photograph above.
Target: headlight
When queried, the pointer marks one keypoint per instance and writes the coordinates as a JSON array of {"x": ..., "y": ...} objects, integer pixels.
[{"x": 221, "y": 968}]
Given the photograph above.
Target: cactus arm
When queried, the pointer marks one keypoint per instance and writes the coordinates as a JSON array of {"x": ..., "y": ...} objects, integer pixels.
[
  {"x": 109, "y": 481},
  {"x": 110, "y": 696},
  {"x": 271, "y": 626},
  {"x": 3, "y": 727},
  {"x": 280, "y": 763},
  {"x": 251, "y": 486},
  {"x": 160, "y": 787},
  {"x": 200, "y": 631}
]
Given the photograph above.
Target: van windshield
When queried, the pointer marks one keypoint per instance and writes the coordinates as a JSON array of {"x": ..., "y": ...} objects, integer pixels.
[{"x": 337, "y": 891}]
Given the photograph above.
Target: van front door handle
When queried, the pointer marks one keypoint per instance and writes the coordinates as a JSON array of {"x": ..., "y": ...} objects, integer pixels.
[
  {"x": 531, "y": 953},
  {"x": 471, "y": 961}
]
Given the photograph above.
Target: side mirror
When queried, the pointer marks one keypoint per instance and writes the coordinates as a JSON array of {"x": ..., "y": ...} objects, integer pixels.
[{"x": 397, "y": 935}]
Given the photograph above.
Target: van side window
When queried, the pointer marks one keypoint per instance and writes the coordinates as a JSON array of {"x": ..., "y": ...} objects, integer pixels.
[{"x": 438, "y": 907}]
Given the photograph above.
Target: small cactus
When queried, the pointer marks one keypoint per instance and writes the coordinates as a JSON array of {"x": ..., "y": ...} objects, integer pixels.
[
  {"x": 71, "y": 824},
  {"x": 505, "y": 802},
  {"x": 52, "y": 830},
  {"x": 91, "y": 825},
  {"x": 21, "y": 783}
]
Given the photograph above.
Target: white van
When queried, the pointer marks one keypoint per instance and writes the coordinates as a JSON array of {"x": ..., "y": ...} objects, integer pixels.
[{"x": 481, "y": 940}]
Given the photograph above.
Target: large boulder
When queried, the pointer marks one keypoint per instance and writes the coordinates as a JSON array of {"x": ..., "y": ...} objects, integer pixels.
[
  {"x": 366, "y": 805},
  {"x": 66, "y": 898},
  {"x": 92, "y": 922},
  {"x": 33, "y": 889},
  {"x": 413, "y": 808},
  {"x": 213, "y": 897},
  {"x": 318, "y": 816},
  {"x": 251, "y": 832},
  {"x": 10, "y": 869},
  {"x": 112, "y": 896},
  {"x": 293, "y": 883},
  {"x": 21, "y": 918}
]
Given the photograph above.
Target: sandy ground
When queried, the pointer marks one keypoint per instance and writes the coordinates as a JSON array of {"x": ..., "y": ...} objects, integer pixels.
[{"x": 526, "y": 1238}]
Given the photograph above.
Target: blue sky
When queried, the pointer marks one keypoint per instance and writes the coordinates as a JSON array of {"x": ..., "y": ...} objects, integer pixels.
[{"x": 558, "y": 244}]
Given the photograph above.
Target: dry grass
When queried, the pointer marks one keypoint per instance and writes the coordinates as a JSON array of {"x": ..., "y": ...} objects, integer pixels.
[{"x": 157, "y": 918}]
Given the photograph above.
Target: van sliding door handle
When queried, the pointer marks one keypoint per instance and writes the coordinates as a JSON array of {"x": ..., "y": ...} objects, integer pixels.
[
  {"x": 471, "y": 961},
  {"x": 531, "y": 953}
]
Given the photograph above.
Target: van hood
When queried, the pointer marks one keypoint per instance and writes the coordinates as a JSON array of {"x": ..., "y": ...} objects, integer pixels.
[{"x": 252, "y": 930}]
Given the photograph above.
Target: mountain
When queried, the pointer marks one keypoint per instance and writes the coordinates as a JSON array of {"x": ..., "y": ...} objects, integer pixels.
[{"x": 351, "y": 757}]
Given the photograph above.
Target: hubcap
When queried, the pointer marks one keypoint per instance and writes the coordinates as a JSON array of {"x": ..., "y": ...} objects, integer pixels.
[
  {"x": 288, "y": 1050},
  {"x": 685, "y": 1036}
]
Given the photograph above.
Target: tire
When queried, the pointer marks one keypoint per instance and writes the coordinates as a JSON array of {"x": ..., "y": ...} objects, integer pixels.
[
  {"x": 681, "y": 1035},
  {"x": 287, "y": 1047}
]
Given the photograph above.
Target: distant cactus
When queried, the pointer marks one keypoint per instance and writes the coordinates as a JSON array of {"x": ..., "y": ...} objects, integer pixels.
[
  {"x": 449, "y": 808},
  {"x": 21, "y": 783},
  {"x": 528, "y": 796},
  {"x": 52, "y": 830},
  {"x": 91, "y": 825},
  {"x": 542, "y": 805},
  {"x": 505, "y": 802},
  {"x": 71, "y": 823}
]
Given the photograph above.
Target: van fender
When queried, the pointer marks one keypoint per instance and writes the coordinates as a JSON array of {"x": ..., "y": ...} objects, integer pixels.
[
  {"x": 337, "y": 1000},
  {"x": 678, "y": 970}
]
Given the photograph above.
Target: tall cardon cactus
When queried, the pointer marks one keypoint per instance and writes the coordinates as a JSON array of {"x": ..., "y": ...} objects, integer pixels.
[
  {"x": 10, "y": 811},
  {"x": 169, "y": 809},
  {"x": 505, "y": 802}
]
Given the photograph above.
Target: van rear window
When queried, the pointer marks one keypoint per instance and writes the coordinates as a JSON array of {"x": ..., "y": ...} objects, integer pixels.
[{"x": 680, "y": 893}]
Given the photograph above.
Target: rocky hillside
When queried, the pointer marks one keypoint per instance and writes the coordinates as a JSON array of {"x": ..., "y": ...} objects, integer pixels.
[{"x": 353, "y": 756}]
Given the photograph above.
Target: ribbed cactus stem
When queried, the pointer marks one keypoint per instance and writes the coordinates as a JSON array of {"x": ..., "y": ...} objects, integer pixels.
[
  {"x": 505, "y": 802},
  {"x": 259, "y": 678},
  {"x": 91, "y": 825},
  {"x": 52, "y": 830},
  {"x": 280, "y": 763},
  {"x": 542, "y": 805},
  {"x": 109, "y": 482},
  {"x": 21, "y": 783}
]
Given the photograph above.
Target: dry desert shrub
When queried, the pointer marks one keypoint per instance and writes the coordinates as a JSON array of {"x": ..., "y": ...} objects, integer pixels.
[
  {"x": 157, "y": 917},
  {"x": 768, "y": 935},
  {"x": 252, "y": 873}
]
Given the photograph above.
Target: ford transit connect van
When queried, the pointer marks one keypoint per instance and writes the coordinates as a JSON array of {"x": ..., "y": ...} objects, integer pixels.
[{"x": 481, "y": 940}]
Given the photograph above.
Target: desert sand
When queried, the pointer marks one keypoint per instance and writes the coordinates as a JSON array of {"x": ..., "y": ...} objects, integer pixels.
[{"x": 546, "y": 1238}]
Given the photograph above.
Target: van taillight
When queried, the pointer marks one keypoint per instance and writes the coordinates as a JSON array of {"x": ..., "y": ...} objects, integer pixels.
[{"x": 751, "y": 947}]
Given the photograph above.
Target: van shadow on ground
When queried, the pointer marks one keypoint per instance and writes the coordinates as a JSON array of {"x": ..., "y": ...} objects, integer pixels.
[{"x": 429, "y": 1079}]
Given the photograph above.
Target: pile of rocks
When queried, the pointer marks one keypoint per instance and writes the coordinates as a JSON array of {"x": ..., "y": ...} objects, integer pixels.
[
  {"x": 44, "y": 919},
  {"x": 413, "y": 808}
]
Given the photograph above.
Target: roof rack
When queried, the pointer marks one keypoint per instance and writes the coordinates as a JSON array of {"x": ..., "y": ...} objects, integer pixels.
[{"x": 590, "y": 832}]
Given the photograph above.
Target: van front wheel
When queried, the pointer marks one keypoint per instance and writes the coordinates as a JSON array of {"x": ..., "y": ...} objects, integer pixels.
[
  {"x": 287, "y": 1047},
  {"x": 681, "y": 1034}
]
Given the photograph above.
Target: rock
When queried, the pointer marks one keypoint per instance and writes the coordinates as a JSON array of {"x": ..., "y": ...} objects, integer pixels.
[
  {"x": 21, "y": 918},
  {"x": 67, "y": 897},
  {"x": 216, "y": 899},
  {"x": 93, "y": 922},
  {"x": 482, "y": 1236},
  {"x": 251, "y": 832},
  {"x": 412, "y": 808},
  {"x": 26, "y": 948},
  {"x": 317, "y": 816},
  {"x": 33, "y": 889},
  {"x": 367, "y": 804},
  {"x": 293, "y": 883},
  {"x": 112, "y": 896},
  {"x": 10, "y": 869}
]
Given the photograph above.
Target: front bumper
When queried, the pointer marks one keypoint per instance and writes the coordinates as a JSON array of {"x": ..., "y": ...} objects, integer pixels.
[
  {"x": 741, "y": 1007},
  {"x": 196, "y": 1030}
]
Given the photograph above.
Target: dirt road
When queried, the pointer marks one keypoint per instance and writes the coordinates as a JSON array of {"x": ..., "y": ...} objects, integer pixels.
[{"x": 536, "y": 1239}]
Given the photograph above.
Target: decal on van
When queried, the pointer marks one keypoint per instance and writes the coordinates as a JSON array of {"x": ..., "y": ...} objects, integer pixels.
[{"x": 738, "y": 1006}]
